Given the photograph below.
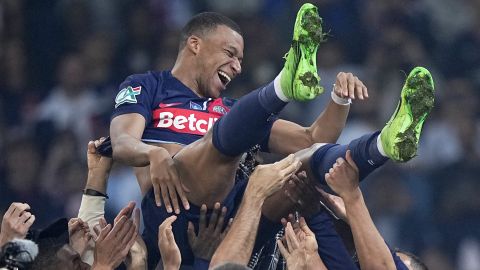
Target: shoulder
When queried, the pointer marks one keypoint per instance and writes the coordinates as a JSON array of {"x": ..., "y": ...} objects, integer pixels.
[{"x": 150, "y": 79}]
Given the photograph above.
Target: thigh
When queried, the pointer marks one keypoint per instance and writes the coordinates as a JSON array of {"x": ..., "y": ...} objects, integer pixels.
[{"x": 207, "y": 173}]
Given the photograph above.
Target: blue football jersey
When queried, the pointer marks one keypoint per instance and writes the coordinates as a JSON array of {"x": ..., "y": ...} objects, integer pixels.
[{"x": 172, "y": 111}]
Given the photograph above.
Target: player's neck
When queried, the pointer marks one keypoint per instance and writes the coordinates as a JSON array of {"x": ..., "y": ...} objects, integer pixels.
[{"x": 185, "y": 75}]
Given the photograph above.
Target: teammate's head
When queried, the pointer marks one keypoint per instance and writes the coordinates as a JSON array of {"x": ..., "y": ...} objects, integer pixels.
[
  {"x": 410, "y": 260},
  {"x": 213, "y": 45}
]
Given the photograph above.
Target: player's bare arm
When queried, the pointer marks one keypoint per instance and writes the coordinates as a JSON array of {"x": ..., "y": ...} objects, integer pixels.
[
  {"x": 264, "y": 181},
  {"x": 126, "y": 132},
  {"x": 327, "y": 127},
  {"x": 373, "y": 252}
]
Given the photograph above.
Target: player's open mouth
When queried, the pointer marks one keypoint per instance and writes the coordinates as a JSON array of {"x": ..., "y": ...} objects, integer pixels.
[{"x": 224, "y": 78}]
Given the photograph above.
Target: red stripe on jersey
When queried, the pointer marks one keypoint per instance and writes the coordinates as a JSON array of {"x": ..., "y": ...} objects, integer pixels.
[{"x": 184, "y": 120}]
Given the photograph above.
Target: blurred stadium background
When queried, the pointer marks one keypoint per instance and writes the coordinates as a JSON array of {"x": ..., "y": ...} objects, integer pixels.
[{"x": 62, "y": 61}]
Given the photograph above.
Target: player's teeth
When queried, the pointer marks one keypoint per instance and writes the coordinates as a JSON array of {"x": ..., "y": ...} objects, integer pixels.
[{"x": 225, "y": 76}]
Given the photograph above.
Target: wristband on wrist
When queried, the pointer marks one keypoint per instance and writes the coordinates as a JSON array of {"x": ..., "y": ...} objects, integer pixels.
[
  {"x": 93, "y": 192},
  {"x": 340, "y": 100}
]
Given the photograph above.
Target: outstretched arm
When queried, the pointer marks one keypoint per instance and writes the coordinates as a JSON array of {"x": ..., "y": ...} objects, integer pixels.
[
  {"x": 327, "y": 127},
  {"x": 92, "y": 206},
  {"x": 373, "y": 252},
  {"x": 265, "y": 180},
  {"x": 301, "y": 248},
  {"x": 126, "y": 131}
]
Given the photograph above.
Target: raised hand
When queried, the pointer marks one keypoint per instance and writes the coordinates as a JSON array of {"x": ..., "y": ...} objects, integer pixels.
[
  {"x": 267, "y": 179},
  {"x": 113, "y": 243},
  {"x": 97, "y": 164},
  {"x": 335, "y": 203},
  {"x": 349, "y": 86},
  {"x": 300, "y": 249},
  {"x": 303, "y": 193},
  {"x": 209, "y": 235},
  {"x": 16, "y": 222},
  {"x": 79, "y": 235},
  {"x": 343, "y": 177},
  {"x": 169, "y": 250},
  {"x": 165, "y": 181}
]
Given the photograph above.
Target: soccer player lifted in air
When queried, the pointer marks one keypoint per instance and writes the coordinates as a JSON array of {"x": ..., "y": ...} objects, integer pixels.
[{"x": 175, "y": 108}]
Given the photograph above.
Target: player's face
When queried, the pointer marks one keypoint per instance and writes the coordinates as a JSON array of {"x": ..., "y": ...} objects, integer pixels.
[{"x": 220, "y": 60}]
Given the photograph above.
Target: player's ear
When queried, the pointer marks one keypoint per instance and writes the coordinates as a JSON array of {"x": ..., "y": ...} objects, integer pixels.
[{"x": 193, "y": 44}]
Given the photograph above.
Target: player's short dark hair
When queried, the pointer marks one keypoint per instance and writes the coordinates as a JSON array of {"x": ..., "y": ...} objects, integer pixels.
[
  {"x": 205, "y": 22},
  {"x": 416, "y": 263}
]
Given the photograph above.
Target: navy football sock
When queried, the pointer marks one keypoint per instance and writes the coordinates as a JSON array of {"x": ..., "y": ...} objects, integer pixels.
[
  {"x": 248, "y": 123},
  {"x": 364, "y": 152}
]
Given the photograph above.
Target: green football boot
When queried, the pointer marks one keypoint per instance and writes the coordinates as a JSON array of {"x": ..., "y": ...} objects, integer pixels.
[
  {"x": 401, "y": 134},
  {"x": 299, "y": 79}
]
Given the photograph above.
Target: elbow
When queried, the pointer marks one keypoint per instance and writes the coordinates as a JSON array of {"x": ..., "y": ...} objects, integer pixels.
[
  {"x": 116, "y": 152},
  {"x": 117, "y": 149}
]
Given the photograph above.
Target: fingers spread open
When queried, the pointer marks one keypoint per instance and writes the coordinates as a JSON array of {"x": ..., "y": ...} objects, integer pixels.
[
  {"x": 203, "y": 218},
  {"x": 292, "y": 242},
  {"x": 173, "y": 197},
  {"x": 182, "y": 195},
  {"x": 214, "y": 217},
  {"x": 157, "y": 192},
  {"x": 191, "y": 233},
  {"x": 304, "y": 227},
  {"x": 165, "y": 197},
  {"x": 229, "y": 225},
  {"x": 220, "y": 221},
  {"x": 282, "y": 248},
  {"x": 359, "y": 88},
  {"x": 351, "y": 85}
]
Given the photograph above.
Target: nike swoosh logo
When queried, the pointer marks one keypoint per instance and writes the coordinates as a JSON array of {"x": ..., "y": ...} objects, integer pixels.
[{"x": 166, "y": 105}]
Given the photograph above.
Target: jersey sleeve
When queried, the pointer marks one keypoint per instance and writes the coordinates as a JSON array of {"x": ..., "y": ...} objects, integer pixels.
[{"x": 136, "y": 95}]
